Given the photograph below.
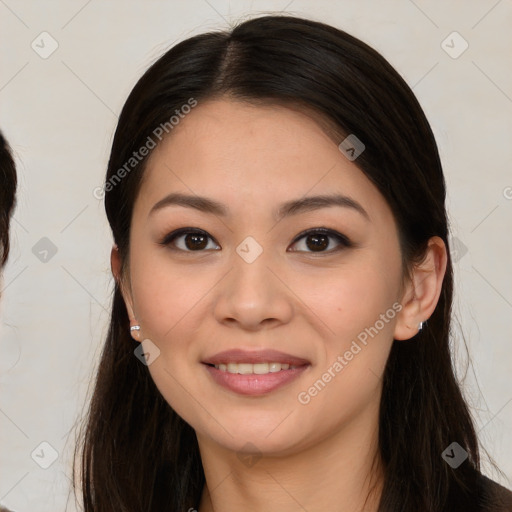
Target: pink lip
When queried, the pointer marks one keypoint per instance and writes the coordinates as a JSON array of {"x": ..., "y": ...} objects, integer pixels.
[
  {"x": 254, "y": 384},
  {"x": 256, "y": 356}
]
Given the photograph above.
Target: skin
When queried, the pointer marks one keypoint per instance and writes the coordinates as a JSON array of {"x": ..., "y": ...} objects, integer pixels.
[{"x": 194, "y": 304}]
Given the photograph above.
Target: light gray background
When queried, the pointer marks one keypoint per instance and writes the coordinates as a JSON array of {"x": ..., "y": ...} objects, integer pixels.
[{"x": 59, "y": 115}]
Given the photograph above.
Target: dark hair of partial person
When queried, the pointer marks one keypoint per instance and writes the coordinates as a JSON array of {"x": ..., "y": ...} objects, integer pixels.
[
  {"x": 135, "y": 453},
  {"x": 8, "y": 183}
]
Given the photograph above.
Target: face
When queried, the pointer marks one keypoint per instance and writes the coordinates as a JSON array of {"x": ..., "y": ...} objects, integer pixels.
[{"x": 317, "y": 282}]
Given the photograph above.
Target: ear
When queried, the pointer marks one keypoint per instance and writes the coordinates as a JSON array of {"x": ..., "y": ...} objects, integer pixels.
[
  {"x": 116, "y": 265},
  {"x": 422, "y": 291}
]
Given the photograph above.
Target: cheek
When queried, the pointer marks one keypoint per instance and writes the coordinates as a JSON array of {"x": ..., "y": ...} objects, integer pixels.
[
  {"x": 354, "y": 306},
  {"x": 165, "y": 295},
  {"x": 168, "y": 304},
  {"x": 358, "y": 311},
  {"x": 350, "y": 300}
]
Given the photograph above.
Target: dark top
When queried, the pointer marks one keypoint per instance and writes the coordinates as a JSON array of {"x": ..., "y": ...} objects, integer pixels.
[{"x": 496, "y": 498}]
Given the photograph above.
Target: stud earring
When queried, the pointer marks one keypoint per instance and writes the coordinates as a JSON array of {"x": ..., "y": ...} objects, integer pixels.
[
  {"x": 135, "y": 328},
  {"x": 420, "y": 326}
]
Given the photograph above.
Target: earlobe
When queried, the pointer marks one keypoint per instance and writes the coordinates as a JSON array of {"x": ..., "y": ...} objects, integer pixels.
[
  {"x": 116, "y": 265},
  {"x": 135, "y": 331},
  {"x": 423, "y": 291}
]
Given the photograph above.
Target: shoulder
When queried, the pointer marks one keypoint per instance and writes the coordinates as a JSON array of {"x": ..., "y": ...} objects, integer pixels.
[{"x": 495, "y": 497}]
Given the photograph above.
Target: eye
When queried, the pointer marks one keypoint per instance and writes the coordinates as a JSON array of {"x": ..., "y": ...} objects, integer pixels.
[
  {"x": 188, "y": 240},
  {"x": 319, "y": 240}
]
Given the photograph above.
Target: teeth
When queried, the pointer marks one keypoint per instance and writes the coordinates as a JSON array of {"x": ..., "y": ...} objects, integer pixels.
[{"x": 258, "y": 368}]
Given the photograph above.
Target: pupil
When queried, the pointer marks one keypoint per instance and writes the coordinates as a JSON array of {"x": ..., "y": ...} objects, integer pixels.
[
  {"x": 197, "y": 241},
  {"x": 317, "y": 242}
]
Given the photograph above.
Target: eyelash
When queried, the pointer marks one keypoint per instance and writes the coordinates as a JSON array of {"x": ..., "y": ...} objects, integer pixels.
[{"x": 340, "y": 238}]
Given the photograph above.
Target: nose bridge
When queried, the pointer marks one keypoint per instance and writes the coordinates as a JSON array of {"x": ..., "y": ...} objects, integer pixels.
[{"x": 250, "y": 276}]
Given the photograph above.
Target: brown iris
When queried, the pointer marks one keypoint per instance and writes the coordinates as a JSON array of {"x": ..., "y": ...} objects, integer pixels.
[
  {"x": 195, "y": 241},
  {"x": 317, "y": 242}
]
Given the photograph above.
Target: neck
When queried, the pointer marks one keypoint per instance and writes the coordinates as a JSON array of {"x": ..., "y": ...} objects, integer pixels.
[{"x": 342, "y": 473}]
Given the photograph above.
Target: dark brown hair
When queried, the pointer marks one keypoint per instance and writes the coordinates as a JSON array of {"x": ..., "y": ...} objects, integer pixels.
[
  {"x": 8, "y": 182},
  {"x": 137, "y": 453}
]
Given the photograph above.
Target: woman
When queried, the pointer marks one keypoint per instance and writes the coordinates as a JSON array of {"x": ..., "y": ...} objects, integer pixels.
[{"x": 279, "y": 337}]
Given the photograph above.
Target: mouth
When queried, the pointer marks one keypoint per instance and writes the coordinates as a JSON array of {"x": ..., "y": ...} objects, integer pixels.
[{"x": 254, "y": 372}]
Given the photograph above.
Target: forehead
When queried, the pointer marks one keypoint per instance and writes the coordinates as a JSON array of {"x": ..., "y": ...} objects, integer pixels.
[{"x": 266, "y": 154}]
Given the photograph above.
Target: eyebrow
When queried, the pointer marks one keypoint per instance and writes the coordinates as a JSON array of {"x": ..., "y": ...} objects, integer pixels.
[{"x": 293, "y": 207}]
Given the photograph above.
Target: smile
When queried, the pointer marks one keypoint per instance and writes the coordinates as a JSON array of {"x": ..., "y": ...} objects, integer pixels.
[{"x": 257, "y": 369}]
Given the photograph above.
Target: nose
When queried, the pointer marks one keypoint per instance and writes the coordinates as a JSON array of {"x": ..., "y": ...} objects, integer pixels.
[{"x": 253, "y": 296}]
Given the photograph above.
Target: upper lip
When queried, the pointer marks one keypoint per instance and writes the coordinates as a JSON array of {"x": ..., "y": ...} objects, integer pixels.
[{"x": 255, "y": 356}]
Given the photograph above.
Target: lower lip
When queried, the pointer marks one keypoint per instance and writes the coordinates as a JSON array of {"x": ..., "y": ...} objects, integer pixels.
[{"x": 253, "y": 384}]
